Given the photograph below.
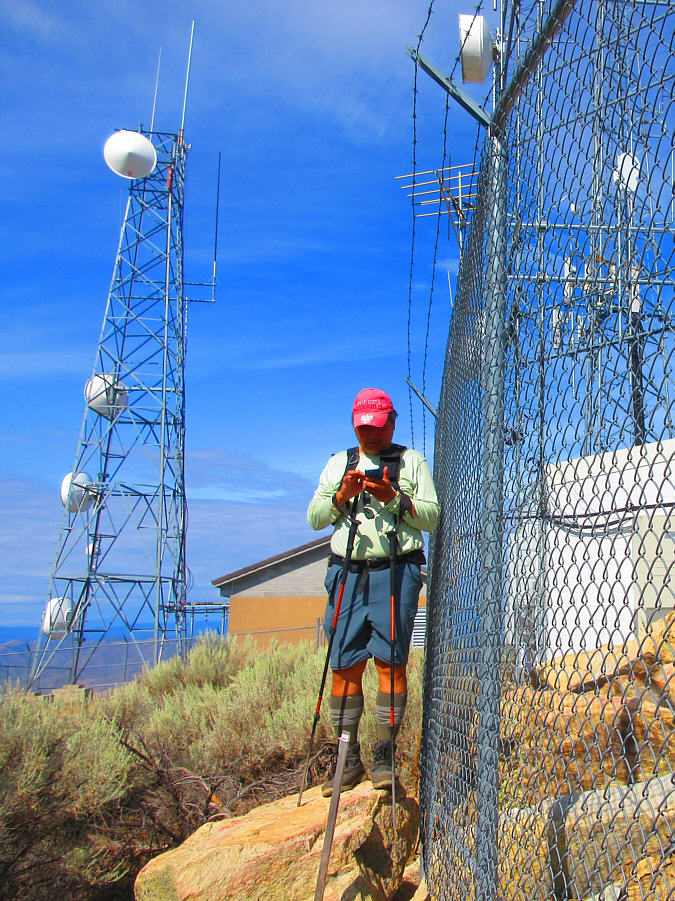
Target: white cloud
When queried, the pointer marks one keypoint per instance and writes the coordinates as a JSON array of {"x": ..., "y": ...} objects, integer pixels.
[
  {"x": 448, "y": 264},
  {"x": 213, "y": 474},
  {"x": 33, "y": 20},
  {"x": 340, "y": 59}
]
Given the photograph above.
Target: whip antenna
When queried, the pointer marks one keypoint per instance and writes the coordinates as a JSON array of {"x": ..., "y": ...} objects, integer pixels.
[
  {"x": 187, "y": 77},
  {"x": 154, "y": 100}
]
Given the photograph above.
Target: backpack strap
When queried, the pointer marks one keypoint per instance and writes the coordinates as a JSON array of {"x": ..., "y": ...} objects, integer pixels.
[
  {"x": 391, "y": 458},
  {"x": 353, "y": 455}
]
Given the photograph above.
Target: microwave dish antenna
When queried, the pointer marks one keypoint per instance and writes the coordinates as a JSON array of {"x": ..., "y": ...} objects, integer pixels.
[
  {"x": 76, "y": 495},
  {"x": 477, "y": 48},
  {"x": 106, "y": 395},
  {"x": 627, "y": 173},
  {"x": 130, "y": 154},
  {"x": 57, "y": 618}
]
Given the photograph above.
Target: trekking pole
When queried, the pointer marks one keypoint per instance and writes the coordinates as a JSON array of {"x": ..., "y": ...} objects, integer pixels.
[
  {"x": 343, "y": 744},
  {"x": 392, "y": 588},
  {"x": 354, "y": 524}
]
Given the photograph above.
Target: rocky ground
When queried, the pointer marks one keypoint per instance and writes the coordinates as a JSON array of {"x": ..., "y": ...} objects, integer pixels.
[
  {"x": 587, "y": 760},
  {"x": 273, "y": 854}
]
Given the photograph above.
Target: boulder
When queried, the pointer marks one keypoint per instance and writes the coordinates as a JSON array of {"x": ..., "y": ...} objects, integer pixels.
[
  {"x": 597, "y": 837},
  {"x": 583, "y": 670},
  {"x": 585, "y": 845},
  {"x": 556, "y": 741},
  {"x": 653, "y": 879},
  {"x": 524, "y": 867},
  {"x": 563, "y": 742},
  {"x": 273, "y": 853},
  {"x": 652, "y": 729},
  {"x": 662, "y": 632},
  {"x": 421, "y": 892}
]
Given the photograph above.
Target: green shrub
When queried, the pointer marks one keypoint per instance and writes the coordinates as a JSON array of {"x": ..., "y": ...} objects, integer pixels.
[
  {"x": 213, "y": 660},
  {"x": 62, "y": 776},
  {"x": 89, "y": 792}
]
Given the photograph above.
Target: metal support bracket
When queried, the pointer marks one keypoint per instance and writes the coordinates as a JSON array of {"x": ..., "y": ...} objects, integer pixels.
[
  {"x": 468, "y": 103},
  {"x": 430, "y": 407}
]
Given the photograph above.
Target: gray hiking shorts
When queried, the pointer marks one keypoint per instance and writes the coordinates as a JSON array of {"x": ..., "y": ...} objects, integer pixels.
[{"x": 363, "y": 626}]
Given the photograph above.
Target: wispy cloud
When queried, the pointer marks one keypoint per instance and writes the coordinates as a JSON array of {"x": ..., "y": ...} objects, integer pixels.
[
  {"x": 37, "y": 366},
  {"x": 225, "y": 537},
  {"x": 31, "y": 516},
  {"x": 338, "y": 60},
  {"x": 213, "y": 474},
  {"x": 448, "y": 264},
  {"x": 318, "y": 354},
  {"x": 32, "y": 20}
]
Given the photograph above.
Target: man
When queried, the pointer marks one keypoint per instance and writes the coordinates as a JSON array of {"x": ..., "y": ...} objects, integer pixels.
[{"x": 388, "y": 488}]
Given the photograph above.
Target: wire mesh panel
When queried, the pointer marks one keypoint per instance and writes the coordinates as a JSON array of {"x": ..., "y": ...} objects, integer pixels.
[{"x": 548, "y": 760}]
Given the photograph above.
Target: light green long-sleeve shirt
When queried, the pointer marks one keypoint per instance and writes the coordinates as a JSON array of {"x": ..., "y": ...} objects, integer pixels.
[{"x": 414, "y": 479}]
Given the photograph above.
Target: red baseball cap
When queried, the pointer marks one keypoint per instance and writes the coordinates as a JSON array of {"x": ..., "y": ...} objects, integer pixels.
[{"x": 371, "y": 407}]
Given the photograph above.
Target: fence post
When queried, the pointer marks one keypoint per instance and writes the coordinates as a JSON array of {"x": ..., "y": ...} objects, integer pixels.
[{"x": 491, "y": 526}]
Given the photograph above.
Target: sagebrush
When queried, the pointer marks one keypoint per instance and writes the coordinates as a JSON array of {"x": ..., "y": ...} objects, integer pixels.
[{"x": 89, "y": 791}]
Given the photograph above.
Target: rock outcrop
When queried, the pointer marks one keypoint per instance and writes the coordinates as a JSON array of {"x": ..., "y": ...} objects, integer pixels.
[
  {"x": 592, "y": 719},
  {"x": 588, "y": 775},
  {"x": 273, "y": 853}
]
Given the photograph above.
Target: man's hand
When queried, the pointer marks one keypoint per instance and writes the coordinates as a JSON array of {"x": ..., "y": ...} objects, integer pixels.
[
  {"x": 381, "y": 489},
  {"x": 352, "y": 484}
]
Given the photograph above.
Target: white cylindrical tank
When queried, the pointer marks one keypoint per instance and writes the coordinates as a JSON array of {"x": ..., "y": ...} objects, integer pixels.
[
  {"x": 130, "y": 154},
  {"x": 75, "y": 494},
  {"x": 57, "y": 617},
  {"x": 106, "y": 395}
]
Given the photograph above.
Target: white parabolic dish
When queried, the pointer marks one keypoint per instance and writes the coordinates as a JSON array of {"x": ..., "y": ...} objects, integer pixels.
[
  {"x": 476, "y": 48},
  {"x": 106, "y": 395},
  {"x": 130, "y": 154},
  {"x": 57, "y": 617},
  {"x": 75, "y": 495}
]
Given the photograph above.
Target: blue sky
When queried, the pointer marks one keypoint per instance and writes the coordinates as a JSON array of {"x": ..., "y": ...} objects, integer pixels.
[{"x": 310, "y": 104}]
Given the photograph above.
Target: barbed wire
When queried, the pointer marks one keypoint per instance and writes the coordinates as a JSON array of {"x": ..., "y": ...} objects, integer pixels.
[
  {"x": 420, "y": 38},
  {"x": 433, "y": 277}
]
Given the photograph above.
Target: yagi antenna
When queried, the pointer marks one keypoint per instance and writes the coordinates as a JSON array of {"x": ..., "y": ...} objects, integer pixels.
[
  {"x": 187, "y": 76},
  {"x": 154, "y": 101}
]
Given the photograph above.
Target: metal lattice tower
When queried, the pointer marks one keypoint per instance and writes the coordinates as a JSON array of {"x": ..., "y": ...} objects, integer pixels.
[{"x": 120, "y": 565}]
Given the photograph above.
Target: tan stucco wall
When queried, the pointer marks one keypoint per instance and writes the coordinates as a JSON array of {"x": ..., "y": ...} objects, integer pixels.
[{"x": 288, "y": 619}]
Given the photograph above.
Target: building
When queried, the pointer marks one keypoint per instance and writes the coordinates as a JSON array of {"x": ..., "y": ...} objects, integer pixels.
[
  {"x": 283, "y": 597},
  {"x": 598, "y": 567}
]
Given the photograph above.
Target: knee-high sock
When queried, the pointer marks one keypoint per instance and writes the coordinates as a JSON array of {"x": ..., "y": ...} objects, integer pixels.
[
  {"x": 382, "y": 711},
  {"x": 345, "y": 712}
]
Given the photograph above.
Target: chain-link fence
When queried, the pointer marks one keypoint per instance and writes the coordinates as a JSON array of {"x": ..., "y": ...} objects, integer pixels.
[
  {"x": 110, "y": 664},
  {"x": 548, "y": 760}
]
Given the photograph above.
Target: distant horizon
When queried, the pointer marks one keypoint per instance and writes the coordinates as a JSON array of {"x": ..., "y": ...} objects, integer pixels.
[{"x": 31, "y": 633}]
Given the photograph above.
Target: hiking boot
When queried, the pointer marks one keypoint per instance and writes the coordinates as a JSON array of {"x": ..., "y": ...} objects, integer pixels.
[
  {"x": 354, "y": 771},
  {"x": 380, "y": 773}
]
